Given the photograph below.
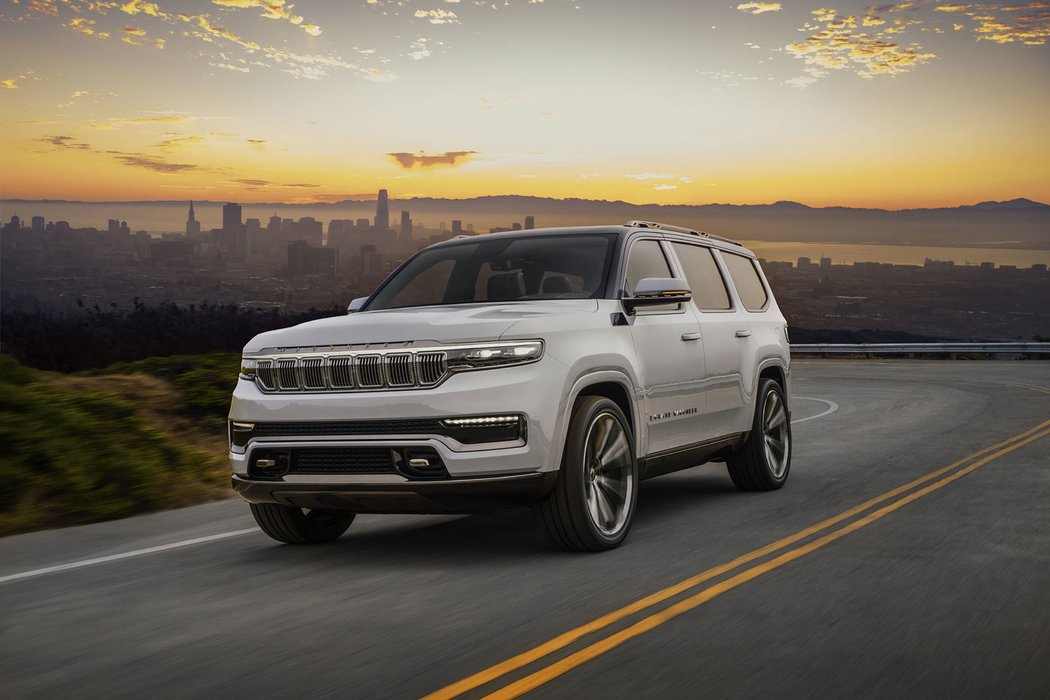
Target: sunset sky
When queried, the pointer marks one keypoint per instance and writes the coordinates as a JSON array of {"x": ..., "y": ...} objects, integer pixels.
[{"x": 665, "y": 101}]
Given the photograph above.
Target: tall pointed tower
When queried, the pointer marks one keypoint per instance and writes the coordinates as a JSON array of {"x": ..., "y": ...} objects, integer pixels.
[
  {"x": 193, "y": 227},
  {"x": 382, "y": 212}
]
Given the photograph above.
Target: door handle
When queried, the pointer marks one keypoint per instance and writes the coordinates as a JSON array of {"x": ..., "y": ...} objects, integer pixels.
[
  {"x": 743, "y": 334},
  {"x": 690, "y": 336}
]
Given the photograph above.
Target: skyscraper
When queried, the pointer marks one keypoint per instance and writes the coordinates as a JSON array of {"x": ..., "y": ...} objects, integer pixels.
[
  {"x": 193, "y": 227},
  {"x": 406, "y": 226},
  {"x": 382, "y": 212},
  {"x": 231, "y": 216},
  {"x": 530, "y": 222}
]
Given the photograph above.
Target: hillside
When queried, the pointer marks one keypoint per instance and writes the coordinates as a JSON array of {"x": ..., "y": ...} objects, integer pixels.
[{"x": 130, "y": 439}]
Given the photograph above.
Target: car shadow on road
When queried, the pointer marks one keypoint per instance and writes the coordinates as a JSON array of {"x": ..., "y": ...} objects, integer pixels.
[{"x": 501, "y": 535}]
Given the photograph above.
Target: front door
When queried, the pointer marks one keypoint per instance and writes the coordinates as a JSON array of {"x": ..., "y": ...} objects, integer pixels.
[{"x": 670, "y": 353}]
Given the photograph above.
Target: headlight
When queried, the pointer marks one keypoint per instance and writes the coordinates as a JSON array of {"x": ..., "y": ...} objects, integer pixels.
[
  {"x": 248, "y": 368},
  {"x": 494, "y": 355}
]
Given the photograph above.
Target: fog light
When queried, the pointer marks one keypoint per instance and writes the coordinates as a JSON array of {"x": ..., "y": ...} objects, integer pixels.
[{"x": 269, "y": 464}]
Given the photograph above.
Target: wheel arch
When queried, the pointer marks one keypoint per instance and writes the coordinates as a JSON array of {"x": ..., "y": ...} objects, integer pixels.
[
  {"x": 774, "y": 369},
  {"x": 614, "y": 385}
]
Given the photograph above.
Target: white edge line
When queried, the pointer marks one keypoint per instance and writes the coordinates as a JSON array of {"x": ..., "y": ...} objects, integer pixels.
[
  {"x": 123, "y": 555},
  {"x": 831, "y": 408}
]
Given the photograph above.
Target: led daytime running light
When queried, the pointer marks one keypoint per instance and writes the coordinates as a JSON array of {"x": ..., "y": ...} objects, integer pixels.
[{"x": 482, "y": 421}]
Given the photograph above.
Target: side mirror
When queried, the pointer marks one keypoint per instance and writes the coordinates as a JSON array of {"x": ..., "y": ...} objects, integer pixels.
[
  {"x": 653, "y": 291},
  {"x": 356, "y": 305}
]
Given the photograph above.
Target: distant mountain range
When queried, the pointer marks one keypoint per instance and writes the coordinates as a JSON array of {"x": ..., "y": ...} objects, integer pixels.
[
  {"x": 1018, "y": 223},
  {"x": 514, "y": 200}
]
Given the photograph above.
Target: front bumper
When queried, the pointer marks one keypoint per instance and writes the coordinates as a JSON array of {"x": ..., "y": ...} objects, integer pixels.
[
  {"x": 396, "y": 494},
  {"x": 476, "y": 476}
]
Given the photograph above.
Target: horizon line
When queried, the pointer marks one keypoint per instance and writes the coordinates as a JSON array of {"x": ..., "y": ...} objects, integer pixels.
[{"x": 1033, "y": 202}]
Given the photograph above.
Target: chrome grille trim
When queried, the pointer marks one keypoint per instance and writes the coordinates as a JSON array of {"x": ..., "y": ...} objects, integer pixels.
[
  {"x": 356, "y": 367},
  {"x": 398, "y": 368},
  {"x": 352, "y": 371},
  {"x": 369, "y": 371},
  {"x": 312, "y": 373},
  {"x": 288, "y": 374},
  {"x": 340, "y": 372},
  {"x": 266, "y": 377},
  {"x": 431, "y": 367}
]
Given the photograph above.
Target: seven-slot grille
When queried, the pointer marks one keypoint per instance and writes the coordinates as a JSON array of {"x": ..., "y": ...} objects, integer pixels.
[{"x": 359, "y": 372}]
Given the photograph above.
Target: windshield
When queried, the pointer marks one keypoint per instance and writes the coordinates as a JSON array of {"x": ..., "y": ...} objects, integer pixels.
[{"x": 501, "y": 270}]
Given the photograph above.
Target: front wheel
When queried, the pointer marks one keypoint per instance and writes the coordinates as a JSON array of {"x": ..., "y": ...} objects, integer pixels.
[
  {"x": 299, "y": 525},
  {"x": 762, "y": 464},
  {"x": 592, "y": 503}
]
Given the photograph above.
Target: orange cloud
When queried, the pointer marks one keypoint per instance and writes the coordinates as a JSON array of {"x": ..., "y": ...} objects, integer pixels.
[
  {"x": 165, "y": 119},
  {"x": 449, "y": 158},
  {"x": 134, "y": 7},
  {"x": 65, "y": 143},
  {"x": 178, "y": 142},
  {"x": 85, "y": 25},
  {"x": 841, "y": 46},
  {"x": 437, "y": 16},
  {"x": 224, "y": 33},
  {"x": 12, "y": 83},
  {"x": 757, "y": 8},
  {"x": 157, "y": 165},
  {"x": 272, "y": 9}
]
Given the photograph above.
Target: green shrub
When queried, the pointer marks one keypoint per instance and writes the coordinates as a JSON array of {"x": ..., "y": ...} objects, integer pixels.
[
  {"x": 79, "y": 456},
  {"x": 205, "y": 382}
]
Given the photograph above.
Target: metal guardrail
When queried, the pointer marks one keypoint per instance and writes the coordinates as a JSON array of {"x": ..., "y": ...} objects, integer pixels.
[{"x": 917, "y": 348}]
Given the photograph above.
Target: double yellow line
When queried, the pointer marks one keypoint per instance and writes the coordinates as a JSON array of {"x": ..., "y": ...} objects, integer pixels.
[{"x": 933, "y": 481}]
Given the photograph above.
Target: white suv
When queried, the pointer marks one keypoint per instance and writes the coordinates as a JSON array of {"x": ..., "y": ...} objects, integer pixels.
[{"x": 556, "y": 367}]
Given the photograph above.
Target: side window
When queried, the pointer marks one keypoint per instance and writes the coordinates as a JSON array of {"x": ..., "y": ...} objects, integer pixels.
[
  {"x": 701, "y": 271},
  {"x": 745, "y": 277},
  {"x": 647, "y": 260}
]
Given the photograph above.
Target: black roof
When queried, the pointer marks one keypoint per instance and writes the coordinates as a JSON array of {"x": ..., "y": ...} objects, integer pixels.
[{"x": 620, "y": 229}]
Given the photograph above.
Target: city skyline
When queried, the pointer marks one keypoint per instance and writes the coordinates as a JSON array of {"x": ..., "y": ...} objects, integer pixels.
[{"x": 908, "y": 104}]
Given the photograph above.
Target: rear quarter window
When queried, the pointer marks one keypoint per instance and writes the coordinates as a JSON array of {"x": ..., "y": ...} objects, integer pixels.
[
  {"x": 753, "y": 294},
  {"x": 705, "y": 280}
]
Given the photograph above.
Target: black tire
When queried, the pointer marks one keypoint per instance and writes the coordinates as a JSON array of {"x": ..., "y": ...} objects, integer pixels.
[
  {"x": 568, "y": 517},
  {"x": 757, "y": 465},
  {"x": 298, "y": 526}
]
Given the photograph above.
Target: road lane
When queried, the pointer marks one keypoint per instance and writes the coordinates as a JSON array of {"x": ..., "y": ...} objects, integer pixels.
[
  {"x": 404, "y": 605},
  {"x": 944, "y": 476}
]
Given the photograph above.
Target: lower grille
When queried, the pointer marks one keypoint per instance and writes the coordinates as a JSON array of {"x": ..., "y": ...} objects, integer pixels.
[{"x": 342, "y": 460}]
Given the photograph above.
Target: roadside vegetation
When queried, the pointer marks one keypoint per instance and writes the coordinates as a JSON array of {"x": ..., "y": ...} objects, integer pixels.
[{"x": 135, "y": 437}]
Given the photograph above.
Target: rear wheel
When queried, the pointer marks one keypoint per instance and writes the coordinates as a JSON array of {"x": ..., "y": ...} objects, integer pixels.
[
  {"x": 592, "y": 503},
  {"x": 762, "y": 464},
  {"x": 300, "y": 525}
]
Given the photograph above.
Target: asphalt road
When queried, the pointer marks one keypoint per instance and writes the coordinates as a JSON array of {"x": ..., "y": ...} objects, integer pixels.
[{"x": 938, "y": 589}]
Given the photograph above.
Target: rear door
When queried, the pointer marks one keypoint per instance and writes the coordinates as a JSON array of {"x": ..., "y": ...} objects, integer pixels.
[{"x": 670, "y": 352}]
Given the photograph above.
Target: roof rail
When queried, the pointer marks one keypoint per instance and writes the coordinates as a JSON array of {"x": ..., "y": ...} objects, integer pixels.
[{"x": 681, "y": 229}]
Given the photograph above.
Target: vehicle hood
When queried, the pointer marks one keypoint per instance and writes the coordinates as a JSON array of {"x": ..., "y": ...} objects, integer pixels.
[{"x": 457, "y": 323}]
